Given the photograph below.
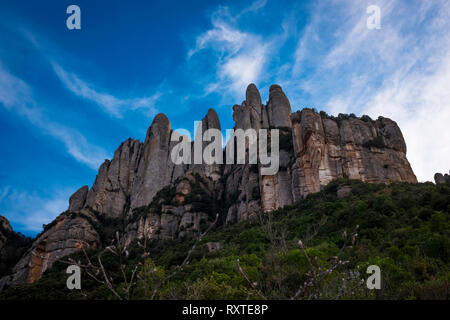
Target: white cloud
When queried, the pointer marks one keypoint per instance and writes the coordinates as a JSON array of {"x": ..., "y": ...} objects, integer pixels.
[
  {"x": 240, "y": 56},
  {"x": 77, "y": 145},
  {"x": 421, "y": 106},
  {"x": 110, "y": 104},
  {"x": 243, "y": 68},
  {"x": 222, "y": 37},
  {"x": 414, "y": 65},
  {"x": 253, "y": 7},
  {"x": 31, "y": 211},
  {"x": 15, "y": 95},
  {"x": 401, "y": 71}
]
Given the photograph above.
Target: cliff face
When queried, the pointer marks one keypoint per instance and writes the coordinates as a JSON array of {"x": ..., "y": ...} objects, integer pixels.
[
  {"x": 158, "y": 199},
  {"x": 12, "y": 247},
  {"x": 326, "y": 149},
  {"x": 65, "y": 235}
]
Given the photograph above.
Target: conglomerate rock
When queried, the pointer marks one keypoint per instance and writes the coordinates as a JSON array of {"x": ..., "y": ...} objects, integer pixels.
[
  {"x": 158, "y": 199},
  {"x": 66, "y": 234}
]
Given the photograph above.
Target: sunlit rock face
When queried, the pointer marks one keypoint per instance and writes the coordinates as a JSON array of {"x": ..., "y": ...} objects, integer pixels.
[
  {"x": 65, "y": 235},
  {"x": 112, "y": 188},
  {"x": 155, "y": 199},
  {"x": 326, "y": 149}
]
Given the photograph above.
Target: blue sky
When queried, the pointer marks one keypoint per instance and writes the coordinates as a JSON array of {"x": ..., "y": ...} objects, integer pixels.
[{"x": 68, "y": 98}]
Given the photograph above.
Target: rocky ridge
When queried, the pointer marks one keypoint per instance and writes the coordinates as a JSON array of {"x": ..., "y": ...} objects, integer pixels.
[{"x": 154, "y": 198}]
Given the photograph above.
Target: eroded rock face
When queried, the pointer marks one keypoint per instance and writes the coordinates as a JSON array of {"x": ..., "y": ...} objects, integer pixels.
[
  {"x": 112, "y": 188},
  {"x": 250, "y": 191},
  {"x": 179, "y": 212},
  {"x": 327, "y": 149},
  {"x": 242, "y": 192},
  {"x": 68, "y": 233},
  {"x": 153, "y": 170},
  {"x": 159, "y": 199},
  {"x": 314, "y": 150},
  {"x": 213, "y": 171}
]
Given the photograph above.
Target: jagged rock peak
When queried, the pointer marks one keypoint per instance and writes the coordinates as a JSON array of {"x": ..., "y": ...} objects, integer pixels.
[
  {"x": 315, "y": 149},
  {"x": 112, "y": 186},
  {"x": 278, "y": 107},
  {"x": 212, "y": 119},
  {"x": 65, "y": 235},
  {"x": 160, "y": 125},
  {"x": 252, "y": 96},
  {"x": 160, "y": 118}
]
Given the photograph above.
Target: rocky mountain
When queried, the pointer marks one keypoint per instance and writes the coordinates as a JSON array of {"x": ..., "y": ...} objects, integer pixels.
[
  {"x": 142, "y": 193},
  {"x": 439, "y": 178}
]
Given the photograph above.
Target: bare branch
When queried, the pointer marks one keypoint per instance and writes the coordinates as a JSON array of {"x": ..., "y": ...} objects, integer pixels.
[{"x": 252, "y": 284}]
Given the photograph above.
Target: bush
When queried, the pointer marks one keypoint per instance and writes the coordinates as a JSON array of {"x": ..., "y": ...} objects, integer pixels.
[{"x": 403, "y": 228}]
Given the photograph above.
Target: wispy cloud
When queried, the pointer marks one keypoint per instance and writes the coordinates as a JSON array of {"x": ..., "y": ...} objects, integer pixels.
[
  {"x": 30, "y": 211},
  {"x": 112, "y": 105},
  {"x": 400, "y": 71},
  {"x": 87, "y": 89},
  {"x": 16, "y": 96},
  {"x": 412, "y": 62},
  {"x": 253, "y": 7},
  {"x": 421, "y": 105},
  {"x": 3, "y": 193},
  {"x": 240, "y": 56},
  {"x": 339, "y": 65}
]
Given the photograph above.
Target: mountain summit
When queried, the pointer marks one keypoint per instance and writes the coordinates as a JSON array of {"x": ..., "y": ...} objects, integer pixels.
[{"x": 142, "y": 193}]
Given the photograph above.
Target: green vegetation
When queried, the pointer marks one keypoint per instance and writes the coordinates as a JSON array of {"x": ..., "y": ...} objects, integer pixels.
[
  {"x": 403, "y": 228},
  {"x": 344, "y": 116}
]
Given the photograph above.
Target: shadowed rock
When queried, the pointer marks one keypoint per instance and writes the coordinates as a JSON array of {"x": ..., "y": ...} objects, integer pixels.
[
  {"x": 439, "y": 178},
  {"x": 278, "y": 107},
  {"x": 210, "y": 121}
]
